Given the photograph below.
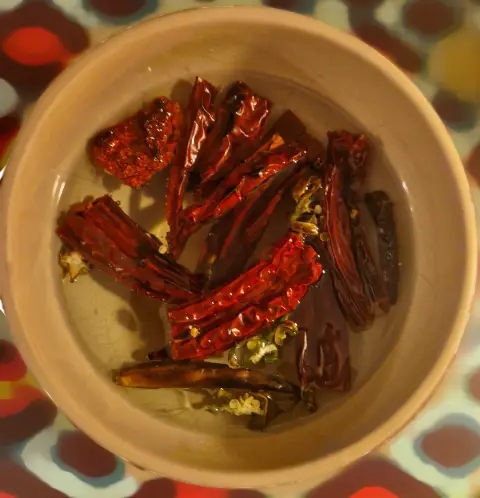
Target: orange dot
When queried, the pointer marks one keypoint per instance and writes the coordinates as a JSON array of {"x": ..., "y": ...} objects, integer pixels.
[
  {"x": 373, "y": 492},
  {"x": 33, "y": 46},
  {"x": 185, "y": 490}
]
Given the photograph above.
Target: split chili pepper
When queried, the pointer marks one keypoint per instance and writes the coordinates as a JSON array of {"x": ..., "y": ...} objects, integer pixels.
[
  {"x": 110, "y": 241},
  {"x": 324, "y": 358},
  {"x": 249, "y": 322},
  {"x": 139, "y": 146},
  {"x": 350, "y": 152},
  {"x": 201, "y": 375},
  {"x": 233, "y": 239},
  {"x": 263, "y": 166},
  {"x": 381, "y": 209},
  {"x": 251, "y": 166},
  {"x": 247, "y": 115},
  {"x": 198, "y": 119},
  {"x": 356, "y": 304},
  {"x": 288, "y": 262},
  {"x": 213, "y": 243}
]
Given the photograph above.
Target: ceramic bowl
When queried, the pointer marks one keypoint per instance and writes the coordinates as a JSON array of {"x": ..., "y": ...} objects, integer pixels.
[{"x": 73, "y": 335}]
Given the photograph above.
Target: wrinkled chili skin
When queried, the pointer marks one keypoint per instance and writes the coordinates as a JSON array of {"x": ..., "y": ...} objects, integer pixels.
[
  {"x": 269, "y": 152},
  {"x": 324, "y": 358},
  {"x": 226, "y": 199},
  {"x": 355, "y": 303},
  {"x": 223, "y": 201},
  {"x": 113, "y": 243},
  {"x": 139, "y": 146},
  {"x": 243, "y": 230},
  {"x": 289, "y": 262},
  {"x": 349, "y": 153},
  {"x": 250, "y": 321},
  {"x": 243, "y": 134},
  {"x": 200, "y": 375},
  {"x": 199, "y": 117},
  {"x": 381, "y": 209},
  {"x": 162, "y": 122},
  {"x": 215, "y": 150}
]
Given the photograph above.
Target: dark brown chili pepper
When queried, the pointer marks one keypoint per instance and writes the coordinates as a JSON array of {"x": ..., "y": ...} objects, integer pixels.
[
  {"x": 324, "y": 359},
  {"x": 201, "y": 375},
  {"x": 199, "y": 117},
  {"x": 111, "y": 242},
  {"x": 355, "y": 303},
  {"x": 349, "y": 153},
  {"x": 139, "y": 146},
  {"x": 381, "y": 209}
]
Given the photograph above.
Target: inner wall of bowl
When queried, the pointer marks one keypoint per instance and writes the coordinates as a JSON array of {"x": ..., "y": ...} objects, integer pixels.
[
  {"x": 118, "y": 327},
  {"x": 328, "y": 87}
]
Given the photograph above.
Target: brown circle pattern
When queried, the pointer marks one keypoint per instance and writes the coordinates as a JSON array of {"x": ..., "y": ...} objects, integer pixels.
[
  {"x": 24, "y": 424},
  {"x": 463, "y": 446},
  {"x": 456, "y": 113},
  {"x": 473, "y": 167},
  {"x": 395, "y": 49},
  {"x": 119, "y": 8},
  {"x": 432, "y": 17},
  {"x": 474, "y": 380},
  {"x": 79, "y": 452},
  {"x": 12, "y": 367}
]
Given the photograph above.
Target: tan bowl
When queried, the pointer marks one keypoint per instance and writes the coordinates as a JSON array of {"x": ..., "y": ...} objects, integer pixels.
[{"x": 72, "y": 335}]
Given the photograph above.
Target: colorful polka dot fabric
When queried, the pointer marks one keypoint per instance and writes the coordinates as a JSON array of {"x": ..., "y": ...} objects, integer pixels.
[{"x": 437, "y": 42}]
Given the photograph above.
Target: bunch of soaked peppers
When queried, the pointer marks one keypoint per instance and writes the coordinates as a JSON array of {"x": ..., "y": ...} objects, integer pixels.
[{"x": 317, "y": 280}]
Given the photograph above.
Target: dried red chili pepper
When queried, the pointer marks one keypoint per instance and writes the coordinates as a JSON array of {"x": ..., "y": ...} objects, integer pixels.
[
  {"x": 220, "y": 230},
  {"x": 233, "y": 239},
  {"x": 250, "y": 321},
  {"x": 324, "y": 358},
  {"x": 263, "y": 166},
  {"x": 139, "y": 146},
  {"x": 288, "y": 262},
  {"x": 242, "y": 134},
  {"x": 349, "y": 153},
  {"x": 356, "y": 304},
  {"x": 198, "y": 119},
  {"x": 381, "y": 209},
  {"x": 111, "y": 242},
  {"x": 162, "y": 122}
]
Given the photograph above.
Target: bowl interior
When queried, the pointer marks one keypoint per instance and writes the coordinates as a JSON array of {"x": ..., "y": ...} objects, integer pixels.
[
  {"x": 116, "y": 326},
  {"x": 95, "y": 325}
]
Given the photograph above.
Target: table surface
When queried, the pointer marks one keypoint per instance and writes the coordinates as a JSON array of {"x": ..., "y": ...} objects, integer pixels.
[{"x": 437, "y": 42}]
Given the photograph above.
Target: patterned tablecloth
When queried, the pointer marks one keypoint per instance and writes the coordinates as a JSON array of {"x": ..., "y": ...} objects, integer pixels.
[{"x": 438, "y": 43}]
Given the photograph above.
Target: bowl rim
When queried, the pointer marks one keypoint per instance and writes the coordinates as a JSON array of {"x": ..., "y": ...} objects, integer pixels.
[{"x": 324, "y": 465}]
